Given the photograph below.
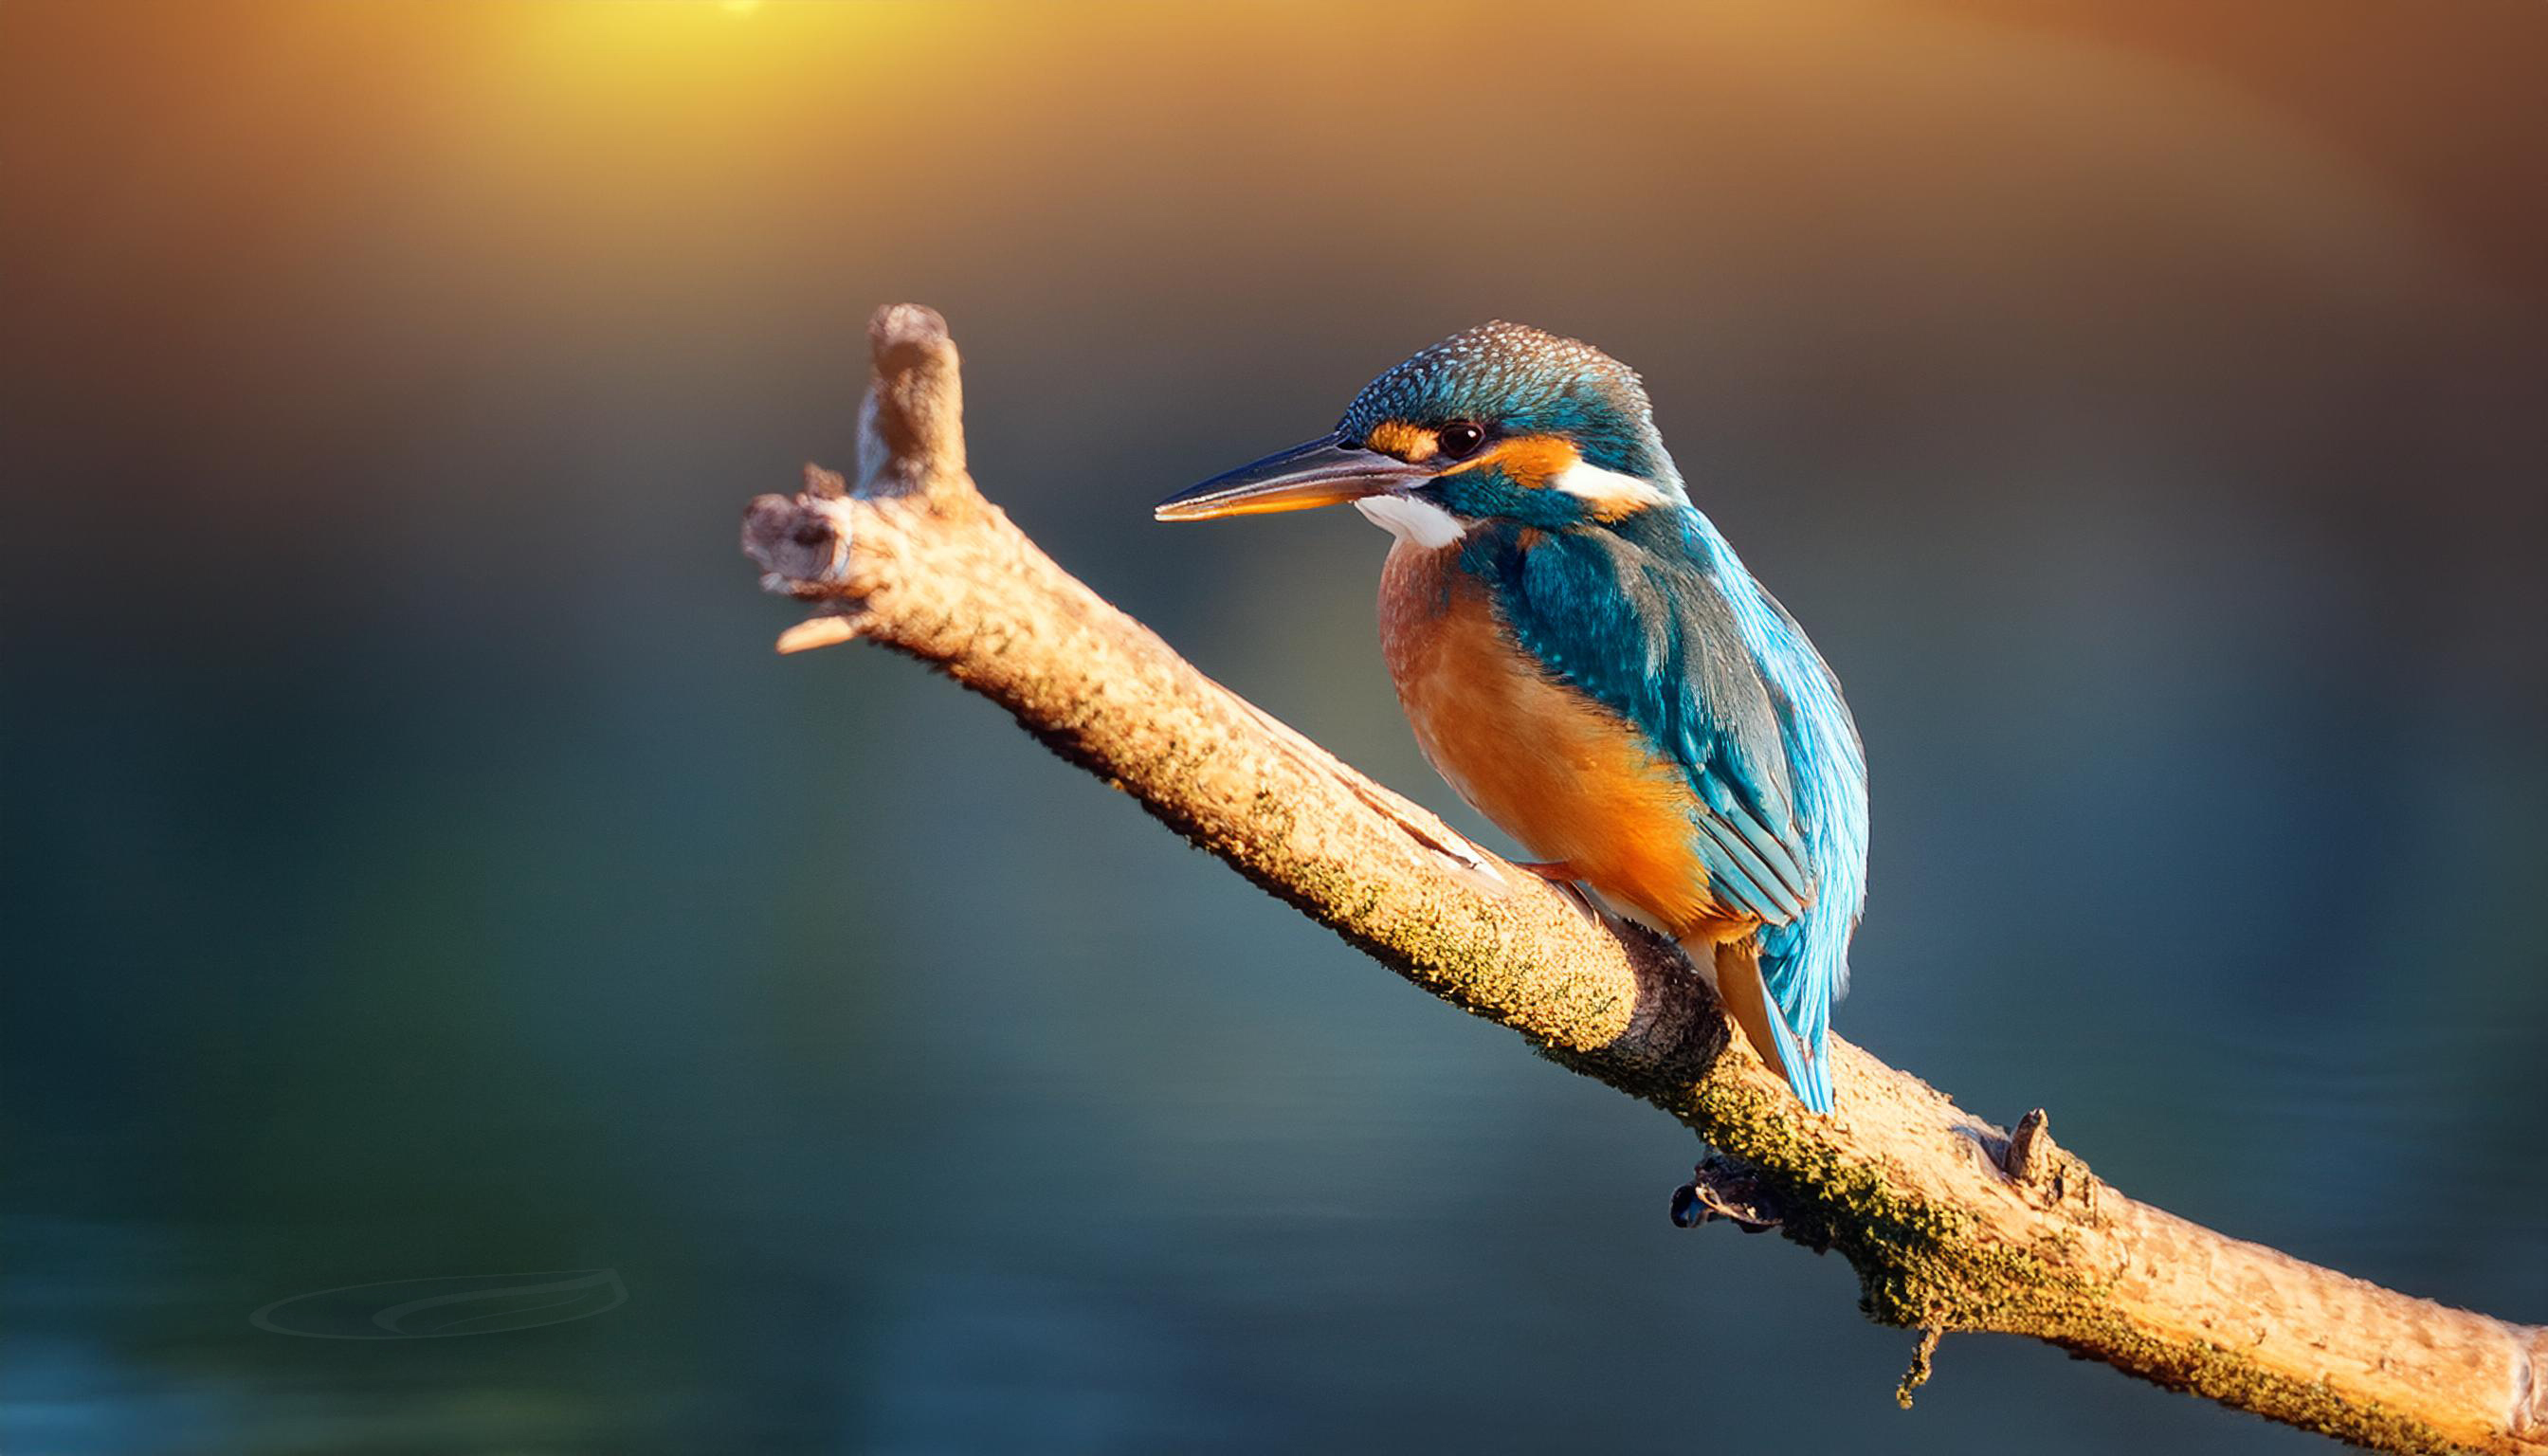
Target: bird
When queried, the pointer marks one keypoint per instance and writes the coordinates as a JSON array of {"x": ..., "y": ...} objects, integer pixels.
[{"x": 1586, "y": 662}]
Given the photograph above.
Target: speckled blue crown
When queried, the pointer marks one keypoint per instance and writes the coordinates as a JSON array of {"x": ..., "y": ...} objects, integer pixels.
[{"x": 1520, "y": 380}]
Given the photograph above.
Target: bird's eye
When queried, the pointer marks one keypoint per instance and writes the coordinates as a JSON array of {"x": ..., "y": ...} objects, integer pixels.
[{"x": 1461, "y": 438}]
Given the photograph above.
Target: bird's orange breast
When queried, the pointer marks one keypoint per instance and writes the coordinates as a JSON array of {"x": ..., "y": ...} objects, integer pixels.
[{"x": 1558, "y": 772}]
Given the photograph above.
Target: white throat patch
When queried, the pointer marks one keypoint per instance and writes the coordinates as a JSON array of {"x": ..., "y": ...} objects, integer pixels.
[
  {"x": 1607, "y": 491},
  {"x": 1414, "y": 521}
]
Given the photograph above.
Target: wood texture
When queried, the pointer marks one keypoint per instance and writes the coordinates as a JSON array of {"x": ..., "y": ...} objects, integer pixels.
[{"x": 1952, "y": 1223}]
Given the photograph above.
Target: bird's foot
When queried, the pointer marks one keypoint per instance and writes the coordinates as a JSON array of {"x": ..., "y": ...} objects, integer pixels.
[{"x": 1721, "y": 1188}]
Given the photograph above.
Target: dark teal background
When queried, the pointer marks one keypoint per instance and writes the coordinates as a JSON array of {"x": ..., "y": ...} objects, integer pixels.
[{"x": 418, "y": 865}]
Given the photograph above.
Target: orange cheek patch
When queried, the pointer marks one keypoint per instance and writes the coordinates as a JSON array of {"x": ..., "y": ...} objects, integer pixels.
[
  {"x": 1408, "y": 442},
  {"x": 1528, "y": 460}
]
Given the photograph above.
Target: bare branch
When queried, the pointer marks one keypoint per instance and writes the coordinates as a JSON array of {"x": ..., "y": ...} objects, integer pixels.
[{"x": 1952, "y": 1223}]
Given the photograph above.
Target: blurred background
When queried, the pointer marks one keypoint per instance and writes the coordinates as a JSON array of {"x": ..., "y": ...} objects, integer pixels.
[{"x": 419, "y": 866}]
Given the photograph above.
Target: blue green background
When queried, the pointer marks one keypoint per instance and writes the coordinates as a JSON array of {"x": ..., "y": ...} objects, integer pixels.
[{"x": 418, "y": 865}]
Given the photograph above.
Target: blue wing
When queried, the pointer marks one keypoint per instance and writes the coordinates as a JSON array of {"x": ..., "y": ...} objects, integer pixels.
[
  {"x": 1657, "y": 621},
  {"x": 1805, "y": 962},
  {"x": 1650, "y": 638}
]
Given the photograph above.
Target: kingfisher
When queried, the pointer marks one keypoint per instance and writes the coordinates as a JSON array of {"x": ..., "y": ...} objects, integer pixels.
[{"x": 1586, "y": 663}]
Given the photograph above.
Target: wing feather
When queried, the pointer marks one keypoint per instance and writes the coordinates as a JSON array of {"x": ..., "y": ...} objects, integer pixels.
[{"x": 1652, "y": 637}]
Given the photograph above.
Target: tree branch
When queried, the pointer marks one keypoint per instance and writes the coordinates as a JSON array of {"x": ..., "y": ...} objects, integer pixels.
[{"x": 1952, "y": 1223}]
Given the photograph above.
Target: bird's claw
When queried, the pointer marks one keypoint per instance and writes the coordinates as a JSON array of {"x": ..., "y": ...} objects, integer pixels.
[{"x": 1721, "y": 1189}]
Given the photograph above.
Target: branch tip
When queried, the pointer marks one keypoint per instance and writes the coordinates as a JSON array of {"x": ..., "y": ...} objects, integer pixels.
[
  {"x": 814, "y": 632},
  {"x": 797, "y": 540},
  {"x": 916, "y": 408},
  {"x": 824, "y": 485},
  {"x": 898, "y": 333}
]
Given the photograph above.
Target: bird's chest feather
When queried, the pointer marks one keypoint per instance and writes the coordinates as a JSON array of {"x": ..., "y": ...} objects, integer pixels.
[{"x": 1565, "y": 776}]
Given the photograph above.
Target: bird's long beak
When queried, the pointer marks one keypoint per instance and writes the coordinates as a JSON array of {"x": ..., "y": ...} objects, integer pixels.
[{"x": 1323, "y": 471}]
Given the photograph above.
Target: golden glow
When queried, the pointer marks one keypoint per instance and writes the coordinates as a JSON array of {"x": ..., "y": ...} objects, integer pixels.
[{"x": 739, "y": 8}]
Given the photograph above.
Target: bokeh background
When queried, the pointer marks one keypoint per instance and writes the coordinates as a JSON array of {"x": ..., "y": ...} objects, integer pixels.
[{"x": 418, "y": 865}]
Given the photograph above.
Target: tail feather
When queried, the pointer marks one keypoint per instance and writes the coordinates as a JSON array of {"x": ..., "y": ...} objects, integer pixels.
[{"x": 1801, "y": 1059}]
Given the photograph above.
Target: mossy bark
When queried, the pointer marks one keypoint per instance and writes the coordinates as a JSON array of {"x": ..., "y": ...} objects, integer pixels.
[{"x": 1950, "y": 1223}]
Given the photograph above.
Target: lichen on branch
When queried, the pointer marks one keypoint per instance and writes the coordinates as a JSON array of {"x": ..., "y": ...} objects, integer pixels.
[{"x": 1950, "y": 1223}]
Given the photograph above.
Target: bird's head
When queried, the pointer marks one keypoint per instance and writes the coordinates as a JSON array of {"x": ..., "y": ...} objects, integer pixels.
[{"x": 1500, "y": 421}]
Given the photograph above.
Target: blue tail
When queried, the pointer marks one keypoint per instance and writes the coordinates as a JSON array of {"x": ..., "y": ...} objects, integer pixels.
[
  {"x": 1808, "y": 1068},
  {"x": 1805, "y": 961},
  {"x": 1769, "y": 1025},
  {"x": 1804, "y": 964}
]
